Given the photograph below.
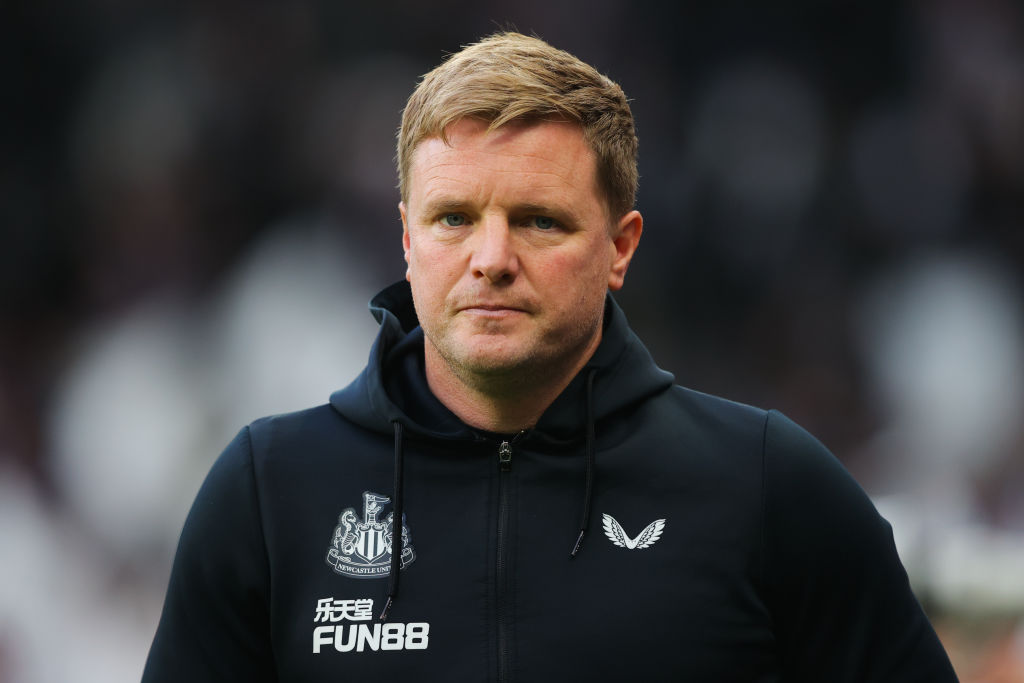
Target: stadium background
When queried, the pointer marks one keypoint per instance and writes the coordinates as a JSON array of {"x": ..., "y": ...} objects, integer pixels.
[{"x": 197, "y": 199}]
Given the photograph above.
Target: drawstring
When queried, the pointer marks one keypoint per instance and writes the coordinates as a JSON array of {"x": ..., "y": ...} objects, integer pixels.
[
  {"x": 591, "y": 456},
  {"x": 397, "y": 525}
]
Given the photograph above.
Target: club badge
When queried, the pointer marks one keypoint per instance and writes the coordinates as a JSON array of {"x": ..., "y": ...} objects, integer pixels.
[{"x": 361, "y": 548}]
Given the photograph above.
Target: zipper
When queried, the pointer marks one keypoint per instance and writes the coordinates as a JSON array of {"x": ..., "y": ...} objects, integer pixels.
[
  {"x": 505, "y": 456},
  {"x": 501, "y": 569}
]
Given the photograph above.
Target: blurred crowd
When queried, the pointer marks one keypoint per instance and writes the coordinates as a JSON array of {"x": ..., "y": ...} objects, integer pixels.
[{"x": 197, "y": 199}]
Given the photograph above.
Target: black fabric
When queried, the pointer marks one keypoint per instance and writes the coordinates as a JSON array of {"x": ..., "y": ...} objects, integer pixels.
[{"x": 770, "y": 563}]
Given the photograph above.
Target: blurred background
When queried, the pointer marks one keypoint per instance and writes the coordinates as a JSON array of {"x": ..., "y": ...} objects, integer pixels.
[{"x": 197, "y": 199}]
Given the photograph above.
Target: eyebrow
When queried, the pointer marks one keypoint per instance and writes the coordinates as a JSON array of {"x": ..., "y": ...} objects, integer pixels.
[{"x": 443, "y": 205}]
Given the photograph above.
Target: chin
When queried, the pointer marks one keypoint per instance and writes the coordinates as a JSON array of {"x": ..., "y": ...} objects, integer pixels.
[{"x": 495, "y": 365}]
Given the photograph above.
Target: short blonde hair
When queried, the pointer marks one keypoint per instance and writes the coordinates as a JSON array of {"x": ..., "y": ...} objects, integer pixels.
[{"x": 511, "y": 77}]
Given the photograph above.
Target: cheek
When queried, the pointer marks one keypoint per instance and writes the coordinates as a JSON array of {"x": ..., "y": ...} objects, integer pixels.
[
  {"x": 427, "y": 299},
  {"x": 432, "y": 272},
  {"x": 422, "y": 260},
  {"x": 582, "y": 269},
  {"x": 577, "y": 281}
]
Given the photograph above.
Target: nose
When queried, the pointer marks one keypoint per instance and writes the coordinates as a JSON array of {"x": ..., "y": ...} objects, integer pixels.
[{"x": 494, "y": 255}]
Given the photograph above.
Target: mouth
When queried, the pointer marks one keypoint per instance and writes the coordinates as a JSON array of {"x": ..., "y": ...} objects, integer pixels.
[{"x": 491, "y": 309}]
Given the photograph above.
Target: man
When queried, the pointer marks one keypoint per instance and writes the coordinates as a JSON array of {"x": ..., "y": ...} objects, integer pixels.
[{"x": 512, "y": 490}]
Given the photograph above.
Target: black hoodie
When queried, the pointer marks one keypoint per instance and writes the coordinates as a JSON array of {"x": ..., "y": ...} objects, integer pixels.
[{"x": 722, "y": 542}]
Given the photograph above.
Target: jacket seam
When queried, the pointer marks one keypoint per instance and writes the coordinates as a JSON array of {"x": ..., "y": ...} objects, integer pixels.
[
  {"x": 762, "y": 570},
  {"x": 260, "y": 529}
]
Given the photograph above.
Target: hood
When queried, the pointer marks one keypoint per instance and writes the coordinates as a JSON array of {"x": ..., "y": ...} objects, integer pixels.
[{"x": 393, "y": 387}]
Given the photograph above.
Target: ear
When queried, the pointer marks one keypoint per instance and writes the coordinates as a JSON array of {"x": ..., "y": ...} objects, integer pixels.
[
  {"x": 625, "y": 238},
  {"x": 405, "y": 237}
]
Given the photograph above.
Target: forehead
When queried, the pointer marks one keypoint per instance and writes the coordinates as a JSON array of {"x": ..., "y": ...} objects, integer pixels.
[{"x": 528, "y": 158}]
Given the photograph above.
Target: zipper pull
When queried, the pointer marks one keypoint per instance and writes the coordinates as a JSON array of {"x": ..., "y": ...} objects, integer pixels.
[{"x": 505, "y": 456}]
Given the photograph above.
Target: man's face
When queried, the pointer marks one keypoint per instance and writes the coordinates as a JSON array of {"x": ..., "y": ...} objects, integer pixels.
[{"x": 510, "y": 249}]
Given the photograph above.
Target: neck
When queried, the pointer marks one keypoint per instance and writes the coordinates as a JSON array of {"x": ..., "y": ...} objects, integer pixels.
[{"x": 505, "y": 402}]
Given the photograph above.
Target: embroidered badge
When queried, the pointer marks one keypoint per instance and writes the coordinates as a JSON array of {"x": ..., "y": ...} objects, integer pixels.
[
  {"x": 361, "y": 548},
  {"x": 645, "y": 539}
]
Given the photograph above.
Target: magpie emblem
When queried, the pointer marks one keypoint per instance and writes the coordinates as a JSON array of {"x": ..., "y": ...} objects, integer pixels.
[
  {"x": 361, "y": 548},
  {"x": 645, "y": 539}
]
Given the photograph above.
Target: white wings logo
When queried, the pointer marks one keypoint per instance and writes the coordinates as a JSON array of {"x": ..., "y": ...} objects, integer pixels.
[{"x": 645, "y": 539}]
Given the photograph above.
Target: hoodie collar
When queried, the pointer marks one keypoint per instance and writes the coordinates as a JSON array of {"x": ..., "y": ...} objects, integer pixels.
[{"x": 393, "y": 385}]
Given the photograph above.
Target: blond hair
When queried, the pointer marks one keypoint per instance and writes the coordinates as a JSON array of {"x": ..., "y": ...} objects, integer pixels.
[{"x": 511, "y": 77}]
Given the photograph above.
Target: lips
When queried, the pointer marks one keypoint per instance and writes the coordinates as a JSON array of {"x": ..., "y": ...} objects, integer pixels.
[
  {"x": 491, "y": 307},
  {"x": 484, "y": 302}
]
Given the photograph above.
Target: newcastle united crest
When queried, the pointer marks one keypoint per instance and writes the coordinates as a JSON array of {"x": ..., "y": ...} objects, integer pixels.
[{"x": 361, "y": 548}]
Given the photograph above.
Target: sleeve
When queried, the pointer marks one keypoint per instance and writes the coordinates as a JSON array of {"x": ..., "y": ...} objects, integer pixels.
[
  {"x": 839, "y": 596},
  {"x": 215, "y": 623}
]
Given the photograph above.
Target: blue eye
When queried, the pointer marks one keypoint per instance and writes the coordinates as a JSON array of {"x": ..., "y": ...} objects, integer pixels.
[
  {"x": 543, "y": 222},
  {"x": 453, "y": 220}
]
